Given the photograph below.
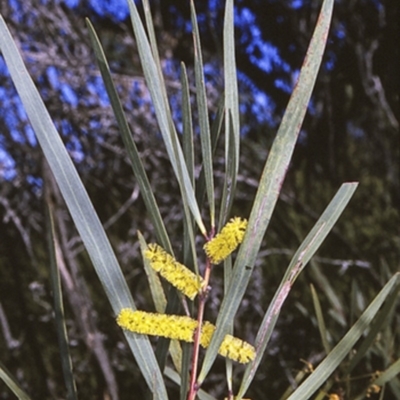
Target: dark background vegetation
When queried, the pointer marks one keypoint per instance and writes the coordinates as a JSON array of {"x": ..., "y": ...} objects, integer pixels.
[{"x": 351, "y": 133}]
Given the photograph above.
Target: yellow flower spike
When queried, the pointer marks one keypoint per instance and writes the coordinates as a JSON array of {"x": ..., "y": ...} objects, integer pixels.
[
  {"x": 231, "y": 347},
  {"x": 175, "y": 273},
  {"x": 207, "y": 331},
  {"x": 231, "y": 235},
  {"x": 236, "y": 349},
  {"x": 180, "y": 327},
  {"x": 177, "y": 327}
]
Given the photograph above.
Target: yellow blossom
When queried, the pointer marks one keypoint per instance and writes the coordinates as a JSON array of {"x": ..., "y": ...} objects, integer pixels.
[
  {"x": 177, "y": 327},
  {"x": 175, "y": 273},
  {"x": 231, "y": 347},
  {"x": 236, "y": 349},
  {"x": 207, "y": 331},
  {"x": 231, "y": 235},
  {"x": 180, "y": 327}
]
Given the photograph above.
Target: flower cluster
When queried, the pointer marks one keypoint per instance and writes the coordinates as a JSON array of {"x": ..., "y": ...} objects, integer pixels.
[
  {"x": 222, "y": 245},
  {"x": 183, "y": 328},
  {"x": 231, "y": 347},
  {"x": 175, "y": 273},
  {"x": 176, "y": 327}
]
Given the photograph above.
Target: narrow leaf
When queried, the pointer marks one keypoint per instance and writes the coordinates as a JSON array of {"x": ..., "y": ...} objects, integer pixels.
[
  {"x": 390, "y": 373},
  {"x": 10, "y": 381},
  {"x": 185, "y": 370},
  {"x": 205, "y": 136},
  {"x": 320, "y": 320},
  {"x": 189, "y": 246},
  {"x": 151, "y": 33},
  {"x": 331, "y": 295},
  {"x": 216, "y": 129},
  {"x": 187, "y": 134},
  {"x": 228, "y": 192},
  {"x": 300, "y": 259},
  {"x": 80, "y": 207},
  {"x": 181, "y": 166},
  {"x": 137, "y": 166},
  {"x": 270, "y": 183},
  {"x": 231, "y": 86},
  {"x": 336, "y": 356},
  {"x": 232, "y": 114},
  {"x": 158, "y": 94},
  {"x": 55, "y": 260},
  {"x": 374, "y": 329}
]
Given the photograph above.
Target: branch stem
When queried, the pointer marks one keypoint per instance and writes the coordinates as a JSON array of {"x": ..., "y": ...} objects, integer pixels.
[{"x": 194, "y": 386}]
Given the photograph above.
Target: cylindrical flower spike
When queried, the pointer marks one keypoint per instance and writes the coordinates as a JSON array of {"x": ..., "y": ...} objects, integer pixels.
[
  {"x": 231, "y": 347},
  {"x": 222, "y": 245},
  {"x": 182, "y": 328},
  {"x": 175, "y": 273},
  {"x": 177, "y": 327}
]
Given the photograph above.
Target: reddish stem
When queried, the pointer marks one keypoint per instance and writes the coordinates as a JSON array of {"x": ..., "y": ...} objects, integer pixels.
[{"x": 193, "y": 386}]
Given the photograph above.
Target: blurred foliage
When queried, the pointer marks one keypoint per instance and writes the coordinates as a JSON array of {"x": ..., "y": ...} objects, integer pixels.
[{"x": 350, "y": 133}]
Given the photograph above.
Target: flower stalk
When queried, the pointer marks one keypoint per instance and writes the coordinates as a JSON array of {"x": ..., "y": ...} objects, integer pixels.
[{"x": 217, "y": 249}]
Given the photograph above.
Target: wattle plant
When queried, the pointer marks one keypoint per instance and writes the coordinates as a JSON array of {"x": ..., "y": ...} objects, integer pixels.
[{"x": 221, "y": 237}]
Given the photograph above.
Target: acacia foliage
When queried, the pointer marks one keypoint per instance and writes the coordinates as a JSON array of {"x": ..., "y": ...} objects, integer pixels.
[{"x": 351, "y": 133}]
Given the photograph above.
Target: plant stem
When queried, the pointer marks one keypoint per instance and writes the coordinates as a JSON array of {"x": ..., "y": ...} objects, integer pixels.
[{"x": 193, "y": 386}]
